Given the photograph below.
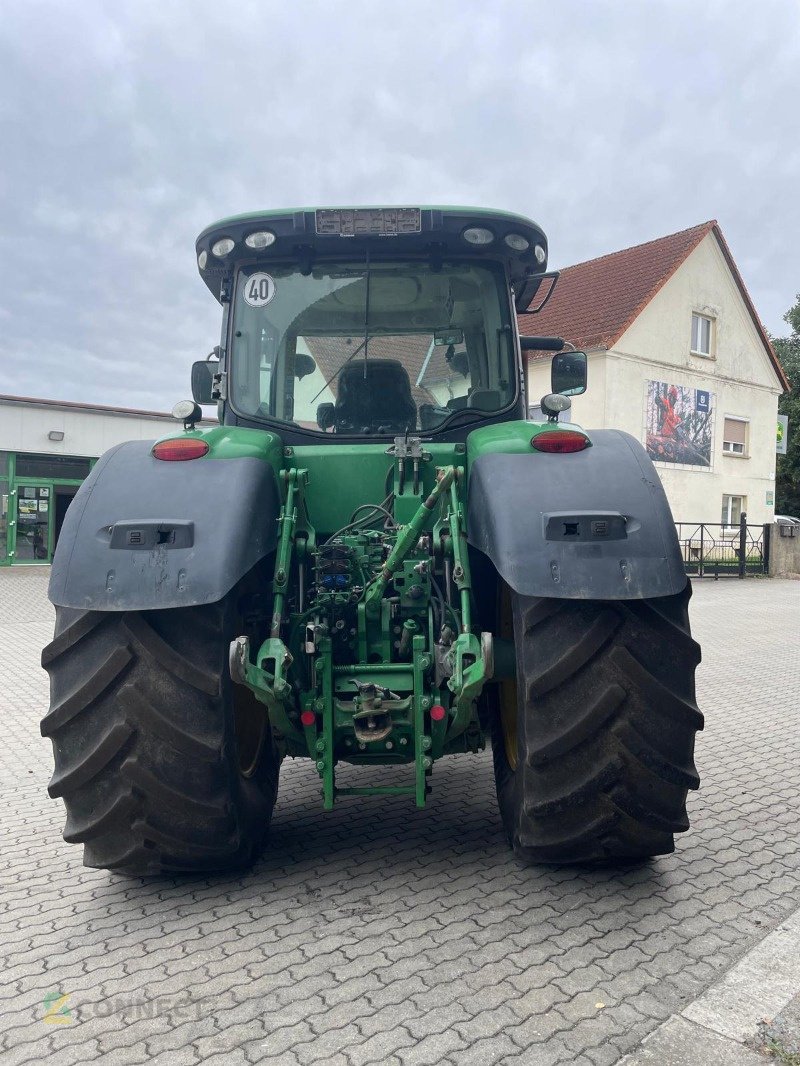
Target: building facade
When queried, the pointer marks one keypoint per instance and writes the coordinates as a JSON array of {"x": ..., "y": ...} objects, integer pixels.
[
  {"x": 679, "y": 359},
  {"x": 47, "y": 448}
]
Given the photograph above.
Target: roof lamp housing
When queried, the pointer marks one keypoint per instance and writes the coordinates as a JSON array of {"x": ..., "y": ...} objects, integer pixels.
[
  {"x": 261, "y": 238},
  {"x": 517, "y": 242},
  {"x": 222, "y": 247},
  {"x": 304, "y": 235},
  {"x": 478, "y": 235}
]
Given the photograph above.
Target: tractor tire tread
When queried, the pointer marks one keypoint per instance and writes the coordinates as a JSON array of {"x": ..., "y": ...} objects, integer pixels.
[
  {"x": 142, "y": 728},
  {"x": 74, "y": 632},
  {"x": 664, "y": 700},
  {"x": 102, "y": 819},
  {"x": 167, "y": 658},
  {"x": 194, "y": 745},
  {"x": 590, "y": 723},
  {"x": 576, "y": 656},
  {"x": 88, "y": 691},
  {"x": 605, "y": 730},
  {"x": 90, "y": 760}
]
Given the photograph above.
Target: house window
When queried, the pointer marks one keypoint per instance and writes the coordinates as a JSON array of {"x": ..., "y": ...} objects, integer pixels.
[
  {"x": 701, "y": 334},
  {"x": 734, "y": 439},
  {"x": 732, "y": 509}
]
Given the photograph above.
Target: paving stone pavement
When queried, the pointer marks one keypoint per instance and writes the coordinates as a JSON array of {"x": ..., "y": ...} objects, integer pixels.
[{"x": 377, "y": 934}]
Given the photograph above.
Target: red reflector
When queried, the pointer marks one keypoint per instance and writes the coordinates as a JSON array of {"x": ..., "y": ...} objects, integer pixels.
[
  {"x": 559, "y": 440},
  {"x": 180, "y": 449},
  {"x": 308, "y": 718},
  {"x": 438, "y": 712}
]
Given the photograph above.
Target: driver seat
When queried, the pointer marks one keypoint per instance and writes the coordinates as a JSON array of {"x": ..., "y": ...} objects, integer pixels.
[{"x": 379, "y": 402}]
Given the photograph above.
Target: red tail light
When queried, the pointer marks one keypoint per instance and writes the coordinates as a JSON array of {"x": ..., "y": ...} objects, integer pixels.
[
  {"x": 180, "y": 449},
  {"x": 559, "y": 440}
]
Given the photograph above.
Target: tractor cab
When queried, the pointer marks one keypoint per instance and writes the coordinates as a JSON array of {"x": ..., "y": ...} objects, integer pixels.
[{"x": 370, "y": 323}]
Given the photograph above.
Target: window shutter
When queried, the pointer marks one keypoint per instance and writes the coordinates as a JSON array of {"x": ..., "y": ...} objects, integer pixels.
[{"x": 735, "y": 431}]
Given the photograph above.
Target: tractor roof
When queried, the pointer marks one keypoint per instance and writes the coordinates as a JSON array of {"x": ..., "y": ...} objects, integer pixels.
[{"x": 307, "y": 233}]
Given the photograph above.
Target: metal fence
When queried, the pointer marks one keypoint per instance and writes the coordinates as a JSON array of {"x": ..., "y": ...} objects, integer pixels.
[{"x": 713, "y": 549}]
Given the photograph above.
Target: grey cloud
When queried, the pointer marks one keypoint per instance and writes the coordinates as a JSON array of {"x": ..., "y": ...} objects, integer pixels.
[{"x": 127, "y": 129}]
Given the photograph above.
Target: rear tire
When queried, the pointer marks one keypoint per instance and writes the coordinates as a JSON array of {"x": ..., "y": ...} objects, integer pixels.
[
  {"x": 144, "y": 722},
  {"x": 600, "y": 758}
]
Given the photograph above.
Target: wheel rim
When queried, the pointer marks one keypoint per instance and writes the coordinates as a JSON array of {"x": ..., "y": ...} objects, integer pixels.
[
  {"x": 508, "y": 721},
  {"x": 508, "y": 688}
]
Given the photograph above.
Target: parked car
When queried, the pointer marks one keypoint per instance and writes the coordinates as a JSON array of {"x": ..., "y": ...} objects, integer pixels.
[{"x": 787, "y": 520}]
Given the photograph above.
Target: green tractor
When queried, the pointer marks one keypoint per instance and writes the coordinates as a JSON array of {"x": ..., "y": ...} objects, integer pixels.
[{"x": 374, "y": 558}]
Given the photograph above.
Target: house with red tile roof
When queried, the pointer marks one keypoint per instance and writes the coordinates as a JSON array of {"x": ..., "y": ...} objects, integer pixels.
[{"x": 678, "y": 358}]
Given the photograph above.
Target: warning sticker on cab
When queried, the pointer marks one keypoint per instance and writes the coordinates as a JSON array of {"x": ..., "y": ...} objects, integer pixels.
[{"x": 259, "y": 289}]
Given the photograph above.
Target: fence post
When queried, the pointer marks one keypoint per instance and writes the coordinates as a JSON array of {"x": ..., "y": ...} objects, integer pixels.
[
  {"x": 742, "y": 545},
  {"x": 766, "y": 535},
  {"x": 702, "y": 550}
]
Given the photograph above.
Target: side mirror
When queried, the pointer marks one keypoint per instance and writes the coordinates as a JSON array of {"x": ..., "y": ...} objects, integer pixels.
[
  {"x": 458, "y": 361},
  {"x": 326, "y": 415},
  {"x": 568, "y": 373},
  {"x": 303, "y": 365},
  {"x": 203, "y": 379},
  {"x": 529, "y": 290}
]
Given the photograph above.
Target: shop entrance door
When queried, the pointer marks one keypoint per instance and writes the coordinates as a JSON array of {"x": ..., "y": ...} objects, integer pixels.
[
  {"x": 64, "y": 495},
  {"x": 33, "y": 525}
]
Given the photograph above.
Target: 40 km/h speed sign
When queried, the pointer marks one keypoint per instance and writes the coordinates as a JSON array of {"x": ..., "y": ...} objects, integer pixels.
[{"x": 259, "y": 289}]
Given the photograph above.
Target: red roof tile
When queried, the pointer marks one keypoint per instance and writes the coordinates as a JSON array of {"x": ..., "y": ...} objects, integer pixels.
[
  {"x": 595, "y": 302},
  {"x": 331, "y": 354}
]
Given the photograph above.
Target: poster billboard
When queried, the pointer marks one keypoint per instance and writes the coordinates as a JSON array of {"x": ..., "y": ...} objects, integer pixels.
[
  {"x": 678, "y": 424},
  {"x": 782, "y": 434}
]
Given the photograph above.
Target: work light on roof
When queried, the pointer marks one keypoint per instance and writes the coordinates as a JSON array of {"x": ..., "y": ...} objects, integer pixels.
[
  {"x": 222, "y": 247},
  {"x": 262, "y": 238},
  {"x": 540, "y": 253},
  {"x": 517, "y": 242},
  {"x": 202, "y": 259},
  {"x": 478, "y": 235}
]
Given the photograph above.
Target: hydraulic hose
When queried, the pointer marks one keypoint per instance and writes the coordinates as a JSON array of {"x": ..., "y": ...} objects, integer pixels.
[{"x": 407, "y": 538}]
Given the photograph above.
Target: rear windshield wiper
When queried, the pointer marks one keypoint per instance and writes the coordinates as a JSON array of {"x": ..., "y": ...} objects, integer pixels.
[{"x": 333, "y": 377}]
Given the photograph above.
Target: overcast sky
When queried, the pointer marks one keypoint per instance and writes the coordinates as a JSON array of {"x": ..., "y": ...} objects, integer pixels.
[{"x": 126, "y": 127}]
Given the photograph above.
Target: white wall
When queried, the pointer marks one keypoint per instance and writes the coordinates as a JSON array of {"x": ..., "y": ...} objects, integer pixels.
[
  {"x": 657, "y": 347},
  {"x": 24, "y": 428},
  {"x": 739, "y": 374},
  {"x": 310, "y": 392}
]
